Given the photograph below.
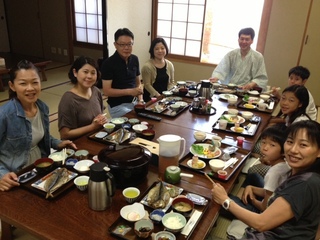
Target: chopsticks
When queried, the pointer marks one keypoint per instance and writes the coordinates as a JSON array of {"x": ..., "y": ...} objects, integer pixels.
[{"x": 210, "y": 179}]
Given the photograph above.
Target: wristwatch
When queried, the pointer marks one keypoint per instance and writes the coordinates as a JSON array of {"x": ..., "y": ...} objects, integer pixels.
[{"x": 226, "y": 204}]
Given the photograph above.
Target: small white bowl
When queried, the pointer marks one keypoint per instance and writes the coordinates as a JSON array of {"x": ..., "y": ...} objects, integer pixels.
[
  {"x": 58, "y": 157},
  {"x": 175, "y": 107},
  {"x": 233, "y": 111},
  {"x": 199, "y": 136},
  {"x": 139, "y": 127},
  {"x": 182, "y": 104},
  {"x": 109, "y": 127},
  {"x": 192, "y": 93},
  {"x": 178, "y": 219},
  {"x": 167, "y": 93},
  {"x": 247, "y": 115},
  {"x": 232, "y": 100},
  {"x": 117, "y": 121},
  {"x": 83, "y": 166},
  {"x": 81, "y": 182},
  {"x": 165, "y": 235},
  {"x": 133, "y": 213},
  {"x": 216, "y": 164},
  {"x": 265, "y": 97},
  {"x": 131, "y": 194}
]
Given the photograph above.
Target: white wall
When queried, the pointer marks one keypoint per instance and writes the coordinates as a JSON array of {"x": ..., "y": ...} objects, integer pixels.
[{"x": 136, "y": 16}]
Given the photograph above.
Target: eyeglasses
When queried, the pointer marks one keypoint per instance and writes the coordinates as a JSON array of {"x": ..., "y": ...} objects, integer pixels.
[{"x": 123, "y": 45}]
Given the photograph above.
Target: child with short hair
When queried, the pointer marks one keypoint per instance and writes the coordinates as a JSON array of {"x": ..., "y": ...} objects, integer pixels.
[{"x": 256, "y": 190}]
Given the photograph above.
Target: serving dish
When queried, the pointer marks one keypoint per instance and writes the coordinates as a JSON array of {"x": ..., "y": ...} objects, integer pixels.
[
  {"x": 39, "y": 184},
  {"x": 169, "y": 187},
  {"x": 225, "y": 96},
  {"x": 205, "y": 153}
]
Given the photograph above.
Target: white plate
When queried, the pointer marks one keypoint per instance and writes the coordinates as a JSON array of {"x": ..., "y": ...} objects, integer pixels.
[
  {"x": 40, "y": 183},
  {"x": 228, "y": 116},
  {"x": 254, "y": 92},
  {"x": 216, "y": 153},
  {"x": 225, "y": 96},
  {"x": 203, "y": 164},
  {"x": 255, "y": 100},
  {"x": 232, "y": 129},
  {"x": 101, "y": 134},
  {"x": 181, "y": 103}
]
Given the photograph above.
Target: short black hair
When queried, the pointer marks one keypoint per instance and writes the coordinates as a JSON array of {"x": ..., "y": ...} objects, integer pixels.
[
  {"x": 275, "y": 133},
  {"x": 154, "y": 43},
  {"x": 123, "y": 32},
  {"x": 300, "y": 71},
  {"x": 247, "y": 31}
]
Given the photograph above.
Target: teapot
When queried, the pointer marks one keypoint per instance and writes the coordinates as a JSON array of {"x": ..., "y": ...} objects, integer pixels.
[
  {"x": 173, "y": 175},
  {"x": 101, "y": 186},
  {"x": 205, "y": 90}
]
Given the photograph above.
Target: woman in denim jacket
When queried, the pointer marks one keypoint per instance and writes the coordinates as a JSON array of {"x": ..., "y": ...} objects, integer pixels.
[{"x": 24, "y": 125}]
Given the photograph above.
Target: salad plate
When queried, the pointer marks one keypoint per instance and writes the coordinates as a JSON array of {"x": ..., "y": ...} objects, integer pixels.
[
  {"x": 232, "y": 119},
  {"x": 202, "y": 150}
]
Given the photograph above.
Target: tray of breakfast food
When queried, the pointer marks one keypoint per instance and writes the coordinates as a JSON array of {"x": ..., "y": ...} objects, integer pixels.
[
  {"x": 262, "y": 103},
  {"x": 48, "y": 186},
  {"x": 168, "y": 106},
  {"x": 163, "y": 210},
  {"x": 242, "y": 123},
  {"x": 229, "y": 160}
]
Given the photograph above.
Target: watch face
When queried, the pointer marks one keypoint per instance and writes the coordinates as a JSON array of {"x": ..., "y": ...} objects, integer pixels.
[{"x": 226, "y": 204}]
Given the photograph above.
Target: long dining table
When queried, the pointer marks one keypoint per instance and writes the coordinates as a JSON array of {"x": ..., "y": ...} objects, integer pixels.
[{"x": 69, "y": 216}]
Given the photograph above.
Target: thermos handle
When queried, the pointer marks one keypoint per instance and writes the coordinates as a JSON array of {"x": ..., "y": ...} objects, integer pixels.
[
  {"x": 111, "y": 185},
  {"x": 197, "y": 91}
]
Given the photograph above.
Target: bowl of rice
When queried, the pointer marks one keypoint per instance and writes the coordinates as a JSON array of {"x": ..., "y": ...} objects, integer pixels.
[{"x": 174, "y": 222}]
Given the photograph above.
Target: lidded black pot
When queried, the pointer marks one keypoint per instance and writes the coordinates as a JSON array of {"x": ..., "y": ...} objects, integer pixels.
[{"x": 129, "y": 165}]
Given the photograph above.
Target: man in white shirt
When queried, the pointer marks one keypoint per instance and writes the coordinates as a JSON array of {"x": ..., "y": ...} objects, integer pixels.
[{"x": 243, "y": 67}]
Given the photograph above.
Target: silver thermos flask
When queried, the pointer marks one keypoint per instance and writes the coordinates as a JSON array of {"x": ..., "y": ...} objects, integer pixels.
[{"x": 101, "y": 186}]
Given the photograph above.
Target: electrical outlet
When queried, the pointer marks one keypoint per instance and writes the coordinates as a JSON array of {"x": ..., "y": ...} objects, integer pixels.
[
  {"x": 59, "y": 51},
  {"x": 65, "y": 52},
  {"x": 53, "y": 50}
]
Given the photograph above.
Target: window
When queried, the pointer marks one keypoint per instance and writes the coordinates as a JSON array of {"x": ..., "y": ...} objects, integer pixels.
[
  {"x": 88, "y": 21},
  {"x": 205, "y": 30}
]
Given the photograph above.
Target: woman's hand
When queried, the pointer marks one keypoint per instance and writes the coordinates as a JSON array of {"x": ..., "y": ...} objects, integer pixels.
[
  {"x": 67, "y": 144},
  {"x": 219, "y": 194},
  {"x": 9, "y": 181},
  {"x": 100, "y": 119}
]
